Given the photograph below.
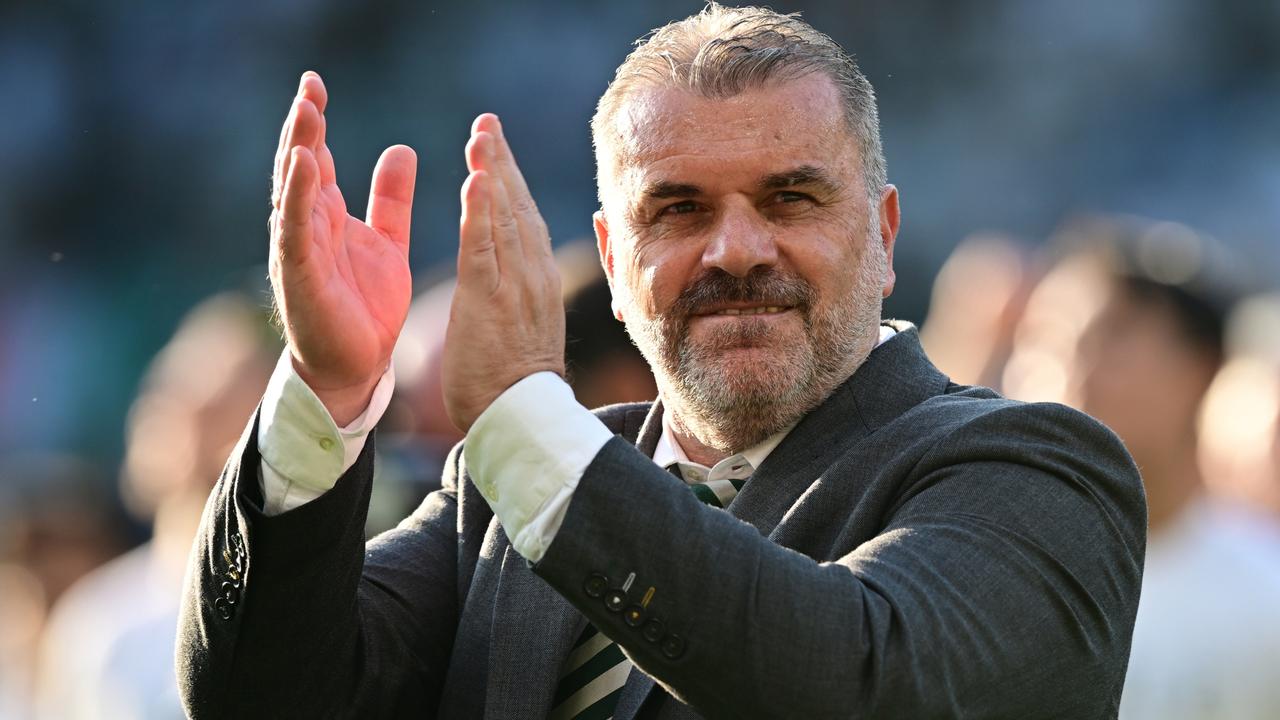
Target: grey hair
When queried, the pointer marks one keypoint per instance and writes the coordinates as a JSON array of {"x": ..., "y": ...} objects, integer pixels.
[{"x": 723, "y": 51}]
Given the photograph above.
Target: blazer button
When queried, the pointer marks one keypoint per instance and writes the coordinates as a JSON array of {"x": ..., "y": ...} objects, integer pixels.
[
  {"x": 596, "y": 585},
  {"x": 223, "y": 608},
  {"x": 633, "y": 616},
  {"x": 614, "y": 600},
  {"x": 672, "y": 646},
  {"x": 653, "y": 630},
  {"x": 230, "y": 593}
]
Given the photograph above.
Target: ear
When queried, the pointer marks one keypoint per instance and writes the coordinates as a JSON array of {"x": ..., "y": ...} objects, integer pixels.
[
  {"x": 890, "y": 219},
  {"x": 606, "y": 257}
]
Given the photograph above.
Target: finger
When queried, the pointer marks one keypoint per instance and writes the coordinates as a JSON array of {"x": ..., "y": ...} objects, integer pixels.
[
  {"x": 503, "y": 223},
  {"x": 533, "y": 229},
  {"x": 311, "y": 87},
  {"x": 391, "y": 194},
  {"x": 477, "y": 259},
  {"x": 304, "y": 129},
  {"x": 296, "y": 206},
  {"x": 282, "y": 156}
]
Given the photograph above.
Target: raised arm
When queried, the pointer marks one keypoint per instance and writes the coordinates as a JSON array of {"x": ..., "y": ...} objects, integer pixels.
[
  {"x": 341, "y": 284},
  {"x": 290, "y": 614}
]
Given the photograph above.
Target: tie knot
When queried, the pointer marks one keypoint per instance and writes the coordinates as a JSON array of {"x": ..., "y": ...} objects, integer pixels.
[{"x": 717, "y": 493}]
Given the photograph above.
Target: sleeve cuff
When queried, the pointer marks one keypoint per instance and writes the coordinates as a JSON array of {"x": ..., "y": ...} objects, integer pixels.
[
  {"x": 303, "y": 450},
  {"x": 526, "y": 453}
]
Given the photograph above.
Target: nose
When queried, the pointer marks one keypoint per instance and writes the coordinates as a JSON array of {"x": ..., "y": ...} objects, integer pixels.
[{"x": 740, "y": 241}]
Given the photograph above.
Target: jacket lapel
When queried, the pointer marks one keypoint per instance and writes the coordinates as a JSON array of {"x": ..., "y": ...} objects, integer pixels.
[
  {"x": 533, "y": 626},
  {"x": 533, "y": 629},
  {"x": 894, "y": 378},
  {"x": 648, "y": 428}
]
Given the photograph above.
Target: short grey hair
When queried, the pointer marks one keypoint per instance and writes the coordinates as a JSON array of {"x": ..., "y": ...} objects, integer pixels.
[{"x": 723, "y": 51}]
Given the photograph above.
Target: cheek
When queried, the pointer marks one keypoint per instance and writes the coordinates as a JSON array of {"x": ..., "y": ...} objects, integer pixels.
[{"x": 656, "y": 276}]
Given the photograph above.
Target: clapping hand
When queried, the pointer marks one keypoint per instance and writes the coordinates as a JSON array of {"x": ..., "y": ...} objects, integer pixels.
[
  {"x": 507, "y": 319},
  {"x": 342, "y": 285}
]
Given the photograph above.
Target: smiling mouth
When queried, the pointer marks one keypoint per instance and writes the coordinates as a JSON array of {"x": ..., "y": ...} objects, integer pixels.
[
  {"x": 756, "y": 310},
  {"x": 770, "y": 310}
]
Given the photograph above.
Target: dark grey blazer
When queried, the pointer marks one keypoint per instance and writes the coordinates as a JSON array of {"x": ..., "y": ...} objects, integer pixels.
[{"x": 913, "y": 549}]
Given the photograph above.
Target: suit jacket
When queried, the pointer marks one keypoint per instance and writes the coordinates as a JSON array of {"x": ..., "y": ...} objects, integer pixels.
[{"x": 912, "y": 549}]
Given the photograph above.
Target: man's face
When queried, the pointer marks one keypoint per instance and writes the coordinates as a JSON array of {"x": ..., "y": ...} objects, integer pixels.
[
  {"x": 1139, "y": 375},
  {"x": 744, "y": 253}
]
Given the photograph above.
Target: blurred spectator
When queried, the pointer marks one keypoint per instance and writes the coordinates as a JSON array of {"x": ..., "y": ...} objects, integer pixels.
[
  {"x": 978, "y": 298},
  {"x": 1146, "y": 304},
  {"x": 603, "y": 365},
  {"x": 1043, "y": 358},
  {"x": 1240, "y": 420},
  {"x": 108, "y": 650},
  {"x": 57, "y": 523}
]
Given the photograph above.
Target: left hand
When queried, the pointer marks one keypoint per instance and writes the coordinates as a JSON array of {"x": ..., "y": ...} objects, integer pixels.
[{"x": 507, "y": 318}]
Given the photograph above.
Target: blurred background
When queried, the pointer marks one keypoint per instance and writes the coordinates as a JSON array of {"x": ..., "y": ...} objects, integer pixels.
[{"x": 1090, "y": 216}]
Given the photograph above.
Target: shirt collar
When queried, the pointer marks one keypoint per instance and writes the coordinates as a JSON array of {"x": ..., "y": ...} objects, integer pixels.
[{"x": 737, "y": 467}]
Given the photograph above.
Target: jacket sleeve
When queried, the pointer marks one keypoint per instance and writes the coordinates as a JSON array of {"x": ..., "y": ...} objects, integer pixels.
[
  {"x": 1003, "y": 582},
  {"x": 294, "y": 616}
]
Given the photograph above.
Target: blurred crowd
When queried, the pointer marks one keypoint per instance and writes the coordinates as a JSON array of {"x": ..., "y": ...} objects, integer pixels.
[{"x": 1146, "y": 325}]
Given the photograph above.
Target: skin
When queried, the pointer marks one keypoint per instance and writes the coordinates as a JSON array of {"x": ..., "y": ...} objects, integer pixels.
[
  {"x": 1141, "y": 377},
  {"x": 768, "y": 181},
  {"x": 342, "y": 285}
]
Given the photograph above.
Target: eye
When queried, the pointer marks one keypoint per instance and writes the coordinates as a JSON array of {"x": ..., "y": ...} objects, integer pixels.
[
  {"x": 787, "y": 197},
  {"x": 684, "y": 207}
]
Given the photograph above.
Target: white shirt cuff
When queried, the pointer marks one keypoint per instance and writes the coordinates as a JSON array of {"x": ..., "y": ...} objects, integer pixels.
[
  {"x": 526, "y": 453},
  {"x": 303, "y": 450}
]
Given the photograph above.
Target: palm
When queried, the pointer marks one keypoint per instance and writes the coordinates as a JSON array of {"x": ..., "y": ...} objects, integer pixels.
[
  {"x": 343, "y": 285},
  {"x": 356, "y": 284}
]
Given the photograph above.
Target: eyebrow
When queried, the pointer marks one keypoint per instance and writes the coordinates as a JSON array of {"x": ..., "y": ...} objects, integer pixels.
[
  {"x": 663, "y": 190},
  {"x": 804, "y": 175}
]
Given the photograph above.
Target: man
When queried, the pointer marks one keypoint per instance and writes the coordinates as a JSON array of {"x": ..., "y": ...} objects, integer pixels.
[
  {"x": 1207, "y": 638},
  {"x": 893, "y": 546}
]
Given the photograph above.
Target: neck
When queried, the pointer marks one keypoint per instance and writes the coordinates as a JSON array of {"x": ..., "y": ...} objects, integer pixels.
[{"x": 694, "y": 448}]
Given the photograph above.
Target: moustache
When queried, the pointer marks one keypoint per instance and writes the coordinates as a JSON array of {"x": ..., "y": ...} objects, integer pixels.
[{"x": 764, "y": 286}]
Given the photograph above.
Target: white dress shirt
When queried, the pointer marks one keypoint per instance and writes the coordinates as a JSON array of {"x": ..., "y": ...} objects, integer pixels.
[{"x": 525, "y": 453}]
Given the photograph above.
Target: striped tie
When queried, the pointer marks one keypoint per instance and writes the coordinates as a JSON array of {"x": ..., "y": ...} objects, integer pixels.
[{"x": 595, "y": 671}]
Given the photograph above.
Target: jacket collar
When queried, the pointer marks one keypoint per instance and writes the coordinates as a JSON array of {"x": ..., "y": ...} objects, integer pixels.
[{"x": 895, "y": 377}]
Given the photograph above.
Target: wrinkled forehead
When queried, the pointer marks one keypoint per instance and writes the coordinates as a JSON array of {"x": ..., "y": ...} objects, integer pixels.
[{"x": 659, "y": 128}]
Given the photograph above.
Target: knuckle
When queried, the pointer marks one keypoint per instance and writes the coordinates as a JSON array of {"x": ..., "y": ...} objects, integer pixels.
[
  {"x": 524, "y": 206},
  {"x": 505, "y": 223}
]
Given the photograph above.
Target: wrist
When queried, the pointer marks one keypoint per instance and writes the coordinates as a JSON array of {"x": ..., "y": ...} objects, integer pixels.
[{"x": 344, "y": 401}]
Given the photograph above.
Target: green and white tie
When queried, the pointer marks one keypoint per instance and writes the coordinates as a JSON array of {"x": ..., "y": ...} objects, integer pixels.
[{"x": 593, "y": 675}]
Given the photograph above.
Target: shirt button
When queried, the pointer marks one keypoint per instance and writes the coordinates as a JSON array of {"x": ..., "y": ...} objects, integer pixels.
[{"x": 326, "y": 444}]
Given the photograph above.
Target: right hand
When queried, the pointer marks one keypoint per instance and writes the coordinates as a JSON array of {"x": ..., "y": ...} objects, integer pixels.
[{"x": 342, "y": 286}]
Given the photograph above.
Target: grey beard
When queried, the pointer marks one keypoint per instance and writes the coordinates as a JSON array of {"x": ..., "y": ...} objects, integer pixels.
[
  {"x": 732, "y": 409},
  {"x": 735, "y": 411}
]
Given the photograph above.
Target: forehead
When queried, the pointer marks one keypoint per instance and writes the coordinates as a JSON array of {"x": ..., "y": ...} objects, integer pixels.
[{"x": 669, "y": 134}]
